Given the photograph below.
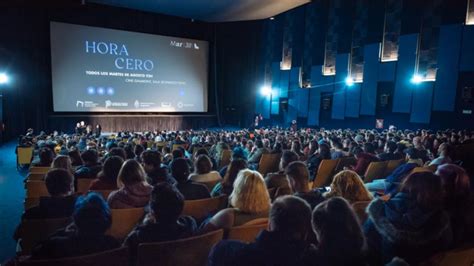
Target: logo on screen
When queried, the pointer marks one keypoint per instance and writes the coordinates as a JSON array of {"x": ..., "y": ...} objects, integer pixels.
[
  {"x": 79, "y": 104},
  {"x": 196, "y": 46},
  {"x": 136, "y": 104},
  {"x": 108, "y": 103}
]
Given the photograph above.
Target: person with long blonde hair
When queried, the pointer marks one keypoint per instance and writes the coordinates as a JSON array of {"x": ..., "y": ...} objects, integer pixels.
[
  {"x": 134, "y": 191},
  {"x": 348, "y": 185},
  {"x": 249, "y": 200}
]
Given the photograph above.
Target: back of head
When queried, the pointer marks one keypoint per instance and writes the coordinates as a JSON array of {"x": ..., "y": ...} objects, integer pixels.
[
  {"x": 250, "y": 193},
  {"x": 412, "y": 153},
  {"x": 425, "y": 188},
  {"x": 59, "y": 182},
  {"x": 202, "y": 164},
  {"x": 392, "y": 146},
  {"x": 291, "y": 216},
  {"x": 131, "y": 173},
  {"x": 298, "y": 172},
  {"x": 349, "y": 185},
  {"x": 152, "y": 158},
  {"x": 286, "y": 158},
  {"x": 180, "y": 169},
  {"x": 455, "y": 182},
  {"x": 239, "y": 153},
  {"x": 166, "y": 202},
  {"x": 92, "y": 215},
  {"x": 63, "y": 162},
  {"x": 177, "y": 153},
  {"x": 112, "y": 168},
  {"x": 369, "y": 148},
  {"x": 324, "y": 151},
  {"x": 117, "y": 151},
  {"x": 46, "y": 156},
  {"x": 234, "y": 168},
  {"x": 337, "y": 228},
  {"x": 90, "y": 157}
]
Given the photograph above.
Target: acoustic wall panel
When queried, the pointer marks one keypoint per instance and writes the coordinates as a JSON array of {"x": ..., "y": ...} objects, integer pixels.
[
  {"x": 405, "y": 69},
  {"x": 284, "y": 83},
  {"x": 369, "y": 86},
  {"x": 303, "y": 94},
  {"x": 387, "y": 71},
  {"x": 339, "y": 96},
  {"x": 422, "y": 100},
  {"x": 353, "y": 100},
  {"x": 447, "y": 74},
  {"x": 275, "y": 101},
  {"x": 319, "y": 83},
  {"x": 293, "y": 91},
  {"x": 467, "y": 53}
]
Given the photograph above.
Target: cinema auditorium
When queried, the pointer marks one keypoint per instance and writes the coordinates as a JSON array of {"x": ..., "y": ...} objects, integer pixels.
[{"x": 237, "y": 132}]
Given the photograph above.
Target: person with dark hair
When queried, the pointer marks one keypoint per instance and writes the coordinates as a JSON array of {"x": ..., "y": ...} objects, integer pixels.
[
  {"x": 238, "y": 153},
  {"x": 298, "y": 178},
  {"x": 278, "y": 180},
  {"x": 364, "y": 159},
  {"x": 190, "y": 190},
  {"x": 458, "y": 201},
  {"x": 226, "y": 186},
  {"x": 203, "y": 170},
  {"x": 339, "y": 234},
  {"x": 445, "y": 151},
  {"x": 389, "y": 152},
  {"x": 134, "y": 191},
  {"x": 75, "y": 156},
  {"x": 258, "y": 150},
  {"x": 338, "y": 150},
  {"x": 107, "y": 178},
  {"x": 390, "y": 184},
  {"x": 412, "y": 224},
  {"x": 91, "y": 166},
  {"x": 60, "y": 203},
  {"x": 86, "y": 235},
  {"x": 314, "y": 160},
  {"x": 139, "y": 149},
  {"x": 164, "y": 221},
  {"x": 203, "y": 151},
  {"x": 46, "y": 157},
  {"x": 285, "y": 242},
  {"x": 156, "y": 173},
  {"x": 117, "y": 151}
]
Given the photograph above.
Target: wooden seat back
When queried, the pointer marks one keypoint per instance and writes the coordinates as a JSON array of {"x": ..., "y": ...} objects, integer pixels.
[
  {"x": 375, "y": 170},
  {"x": 269, "y": 163},
  {"x": 123, "y": 221},
  {"x": 200, "y": 209},
  {"x": 325, "y": 173},
  {"x": 36, "y": 189}
]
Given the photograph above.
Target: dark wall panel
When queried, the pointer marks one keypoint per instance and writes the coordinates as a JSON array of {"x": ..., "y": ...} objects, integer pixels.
[
  {"x": 405, "y": 70},
  {"x": 369, "y": 86},
  {"x": 339, "y": 96},
  {"x": 421, "y": 106},
  {"x": 467, "y": 53}
]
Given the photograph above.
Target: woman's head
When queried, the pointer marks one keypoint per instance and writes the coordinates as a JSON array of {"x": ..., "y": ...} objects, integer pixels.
[
  {"x": 131, "y": 173},
  {"x": 62, "y": 162},
  {"x": 349, "y": 185},
  {"x": 337, "y": 228},
  {"x": 234, "y": 168},
  {"x": 455, "y": 182},
  {"x": 250, "y": 193},
  {"x": 111, "y": 168},
  {"x": 46, "y": 156},
  {"x": 202, "y": 165},
  {"x": 75, "y": 156},
  {"x": 92, "y": 215},
  {"x": 426, "y": 188}
]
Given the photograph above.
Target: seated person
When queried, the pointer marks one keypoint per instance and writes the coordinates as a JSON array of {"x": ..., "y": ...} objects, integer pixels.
[
  {"x": 278, "y": 179},
  {"x": 257, "y": 152},
  {"x": 46, "y": 157},
  {"x": 283, "y": 244},
  {"x": 391, "y": 183},
  {"x": 134, "y": 191},
  {"x": 163, "y": 222},
  {"x": 91, "y": 166},
  {"x": 203, "y": 170},
  {"x": 190, "y": 190},
  {"x": 226, "y": 186},
  {"x": 389, "y": 152},
  {"x": 412, "y": 224},
  {"x": 348, "y": 185},
  {"x": 249, "y": 201},
  {"x": 340, "y": 238},
  {"x": 298, "y": 178},
  {"x": 86, "y": 235},
  {"x": 444, "y": 152},
  {"x": 237, "y": 153},
  {"x": 364, "y": 159},
  {"x": 314, "y": 160},
  {"x": 63, "y": 162},
  {"x": 156, "y": 173},
  {"x": 107, "y": 178}
]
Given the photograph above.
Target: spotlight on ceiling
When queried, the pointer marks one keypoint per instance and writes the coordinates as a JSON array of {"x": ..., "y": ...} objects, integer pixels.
[
  {"x": 266, "y": 91},
  {"x": 3, "y": 78},
  {"x": 349, "y": 81},
  {"x": 416, "y": 79}
]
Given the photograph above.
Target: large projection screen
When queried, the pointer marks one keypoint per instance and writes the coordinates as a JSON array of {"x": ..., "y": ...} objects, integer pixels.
[{"x": 105, "y": 70}]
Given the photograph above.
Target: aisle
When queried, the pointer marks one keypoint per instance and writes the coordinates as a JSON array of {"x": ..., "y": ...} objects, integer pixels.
[{"x": 12, "y": 193}]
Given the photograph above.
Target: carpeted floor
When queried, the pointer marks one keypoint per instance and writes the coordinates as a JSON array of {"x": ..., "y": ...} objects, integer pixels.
[{"x": 12, "y": 194}]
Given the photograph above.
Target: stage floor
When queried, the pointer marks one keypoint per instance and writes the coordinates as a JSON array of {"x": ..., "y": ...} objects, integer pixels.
[{"x": 12, "y": 194}]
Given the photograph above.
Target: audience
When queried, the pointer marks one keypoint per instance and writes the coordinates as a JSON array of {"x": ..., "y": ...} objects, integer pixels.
[
  {"x": 156, "y": 173},
  {"x": 257, "y": 152},
  {"x": 283, "y": 244},
  {"x": 249, "y": 201},
  {"x": 444, "y": 152},
  {"x": 226, "y": 186},
  {"x": 46, "y": 157},
  {"x": 339, "y": 235},
  {"x": 63, "y": 162},
  {"x": 91, "y": 166},
  {"x": 134, "y": 191},
  {"x": 412, "y": 225},
  {"x": 279, "y": 180},
  {"x": 365, "y": 158},
  {"x": 86, "y": 235},
  {"x": 314, "y": 160},
  {"x": 203, "y": 171},
  {"x": 298, "y": 178},
  {"x": 107, "y": 178},
  {"x": 189, "y": 189},
  {"x": 348, "y": 185}
]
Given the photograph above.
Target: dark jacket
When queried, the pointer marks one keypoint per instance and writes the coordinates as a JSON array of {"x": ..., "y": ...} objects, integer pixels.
[
  {"x": 401, "y": 228},
  {"x": 313, "y": 198},
  {"x": 270, "y": 248},
  {"x": 387, "y": 156},
  {"x": 88, "y": 171},
  {"x": 159, "y": 176},
  {"x": 396, "y": 177},
  {"x": 313, "y": 163},
  {"x": 363, "y": 161},
  {"x": 69, "y": 243},
  {"x": 192, "y": 190},
  {"x": 49, "y": 208}
]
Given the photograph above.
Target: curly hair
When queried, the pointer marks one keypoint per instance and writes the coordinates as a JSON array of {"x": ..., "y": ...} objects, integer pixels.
[{"x": 349, "y": 185}]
